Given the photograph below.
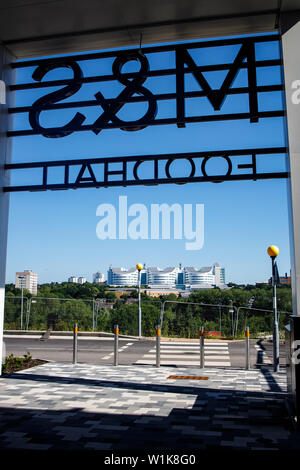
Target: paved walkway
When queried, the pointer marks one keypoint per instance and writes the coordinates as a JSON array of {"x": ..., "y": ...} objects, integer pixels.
[{"x": 62, "y": 406}]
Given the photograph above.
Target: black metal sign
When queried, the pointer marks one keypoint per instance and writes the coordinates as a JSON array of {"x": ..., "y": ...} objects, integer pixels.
[
  {"x": 125, "y": 171},
  {"x": 135, "y": 89}
]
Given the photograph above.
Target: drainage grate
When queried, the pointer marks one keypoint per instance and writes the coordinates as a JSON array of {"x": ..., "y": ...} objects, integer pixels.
[{"x": 187, "y": 377}]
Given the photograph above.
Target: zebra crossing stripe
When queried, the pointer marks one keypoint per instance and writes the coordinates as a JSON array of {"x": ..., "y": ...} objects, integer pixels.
[{"x": 187, "y": 354}]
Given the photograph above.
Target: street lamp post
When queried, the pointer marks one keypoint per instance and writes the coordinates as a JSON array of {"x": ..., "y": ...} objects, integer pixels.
[
  {"x": 139, "y": 267},
  {"x": 273, "y": 251},
  {"x": 94, "y": 295},
  {"x": 231, "y": 310},
  {"x": 22, "y": 300}
]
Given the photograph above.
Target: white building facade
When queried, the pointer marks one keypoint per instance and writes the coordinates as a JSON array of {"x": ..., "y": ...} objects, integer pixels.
[
  {"x": 27, "y": 280},
  {"x": 77, "y": 280},
  {"x": 162, "y": 277},
  {"x": 122, "y": 277},
  {"x": 194, "y": 276},
  {"x": 171, "y": 277},
  {"x": 98, "y": 278}
]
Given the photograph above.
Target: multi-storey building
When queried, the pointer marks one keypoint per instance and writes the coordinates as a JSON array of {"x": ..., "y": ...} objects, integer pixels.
[
  {"x": 219, "y": 274},
  {"x": 163, "y": 277},
  {"x": 27, "y": 280},
  {"x": 77, "y": 280},
  {"x": 171, "y": 277},
  {"x": 194, "y": 276},
  {"x": 122, "y": 277},
  {"x": 125, "y": 277},
  {"x": 98, "y": 278}
]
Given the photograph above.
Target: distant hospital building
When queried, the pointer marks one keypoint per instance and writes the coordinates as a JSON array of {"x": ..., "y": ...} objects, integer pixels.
[
  {"x": 170, "y": 277},
  {"x": 27, "y": 280}
]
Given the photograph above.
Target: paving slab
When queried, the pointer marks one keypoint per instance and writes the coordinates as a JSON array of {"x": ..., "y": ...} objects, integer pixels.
[{"x": 61, "y": 406}]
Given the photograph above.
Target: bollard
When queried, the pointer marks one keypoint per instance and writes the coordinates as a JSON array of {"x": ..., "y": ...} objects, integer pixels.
[
  {"x": 158, "y": 346},
  {"x": 201, "y": 336},
  {"x": 247, "y": 344},
  {"x": 116, "y": 346},
  {"x": 75, "y": 349}
]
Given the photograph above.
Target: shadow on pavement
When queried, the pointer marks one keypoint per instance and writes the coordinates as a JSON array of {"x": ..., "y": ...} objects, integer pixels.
[
  {"x": 219, "y": 419},
  {"x": 266, "y": 368}
]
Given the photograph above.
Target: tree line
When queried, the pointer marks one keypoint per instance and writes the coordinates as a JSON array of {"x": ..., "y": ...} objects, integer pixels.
[{"x": 58, "y": 306}]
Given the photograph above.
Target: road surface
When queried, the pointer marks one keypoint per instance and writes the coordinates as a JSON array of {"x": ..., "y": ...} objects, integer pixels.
[{"x": 100, "y": 350}]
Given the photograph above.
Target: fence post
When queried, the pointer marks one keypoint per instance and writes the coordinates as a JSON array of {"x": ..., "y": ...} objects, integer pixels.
[
  {"x": 247, "y": 345},
  {"x": 201, "y": 336},
  {"x": 158, "y": 346},
  {"x": 116, "y": 346},
  {"x": 75, "y": 348}
]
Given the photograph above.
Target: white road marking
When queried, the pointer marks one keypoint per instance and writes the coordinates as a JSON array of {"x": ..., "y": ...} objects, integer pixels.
[{"x": 188, "y": 354}]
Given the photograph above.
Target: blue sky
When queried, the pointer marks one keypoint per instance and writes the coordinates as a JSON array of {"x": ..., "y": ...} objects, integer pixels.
[{"x": 54, "y": 233}]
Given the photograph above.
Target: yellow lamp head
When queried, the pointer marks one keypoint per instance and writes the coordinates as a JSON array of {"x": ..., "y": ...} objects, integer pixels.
[
  {"x": 273, "y": 251},
  {"x": 139, "y": 266}
]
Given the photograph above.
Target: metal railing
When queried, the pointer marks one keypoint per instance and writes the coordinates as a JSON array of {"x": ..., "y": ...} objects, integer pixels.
[
  {"x": 87, "y": 312},
  {"x": 251, "y": 309},
  {"x": 56, "y": 310},
  {"x": 231, "y": 309}
]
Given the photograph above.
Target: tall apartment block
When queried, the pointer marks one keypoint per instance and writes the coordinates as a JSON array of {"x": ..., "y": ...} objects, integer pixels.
[
  {"x": 98, "y": 278},
  {"x": 27, "y": 280}
]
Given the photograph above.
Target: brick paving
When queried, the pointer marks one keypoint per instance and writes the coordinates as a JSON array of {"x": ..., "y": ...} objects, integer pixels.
[{"x": 61, "y": 406}]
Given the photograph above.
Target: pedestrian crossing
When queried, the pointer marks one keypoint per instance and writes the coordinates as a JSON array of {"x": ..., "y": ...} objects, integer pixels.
[
  {"x": 109, "y": 356},
  {"x": 216, "y": 353}
]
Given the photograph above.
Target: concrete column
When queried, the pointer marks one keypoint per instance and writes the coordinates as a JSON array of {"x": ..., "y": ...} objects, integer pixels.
[
  {"x": 290, "y": 30},
  {"x": 7, "y": 77}
]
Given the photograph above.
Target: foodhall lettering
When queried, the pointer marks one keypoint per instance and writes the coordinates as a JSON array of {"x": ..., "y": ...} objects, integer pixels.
[{"x": 152, "y": 169}]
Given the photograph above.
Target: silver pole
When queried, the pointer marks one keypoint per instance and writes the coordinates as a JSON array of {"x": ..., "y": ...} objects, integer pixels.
[
  {"x": 75, "y": 347},
  {"x": 158, "y": 346},
  {"x": 201, "y": 336},
  {"x": 27, "y": 313},
  {"x": 93, "y": 315},
  {"x": 162, "y": 307},
  {"x": 116, "y": 346},
  {"x": 275, "y": 324},
  {"x": 247, "y": 344},
  {"x": 22, "y": 292},
  {"x": 231, "y": 310},
  {"x": 139, "y": 297}
]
